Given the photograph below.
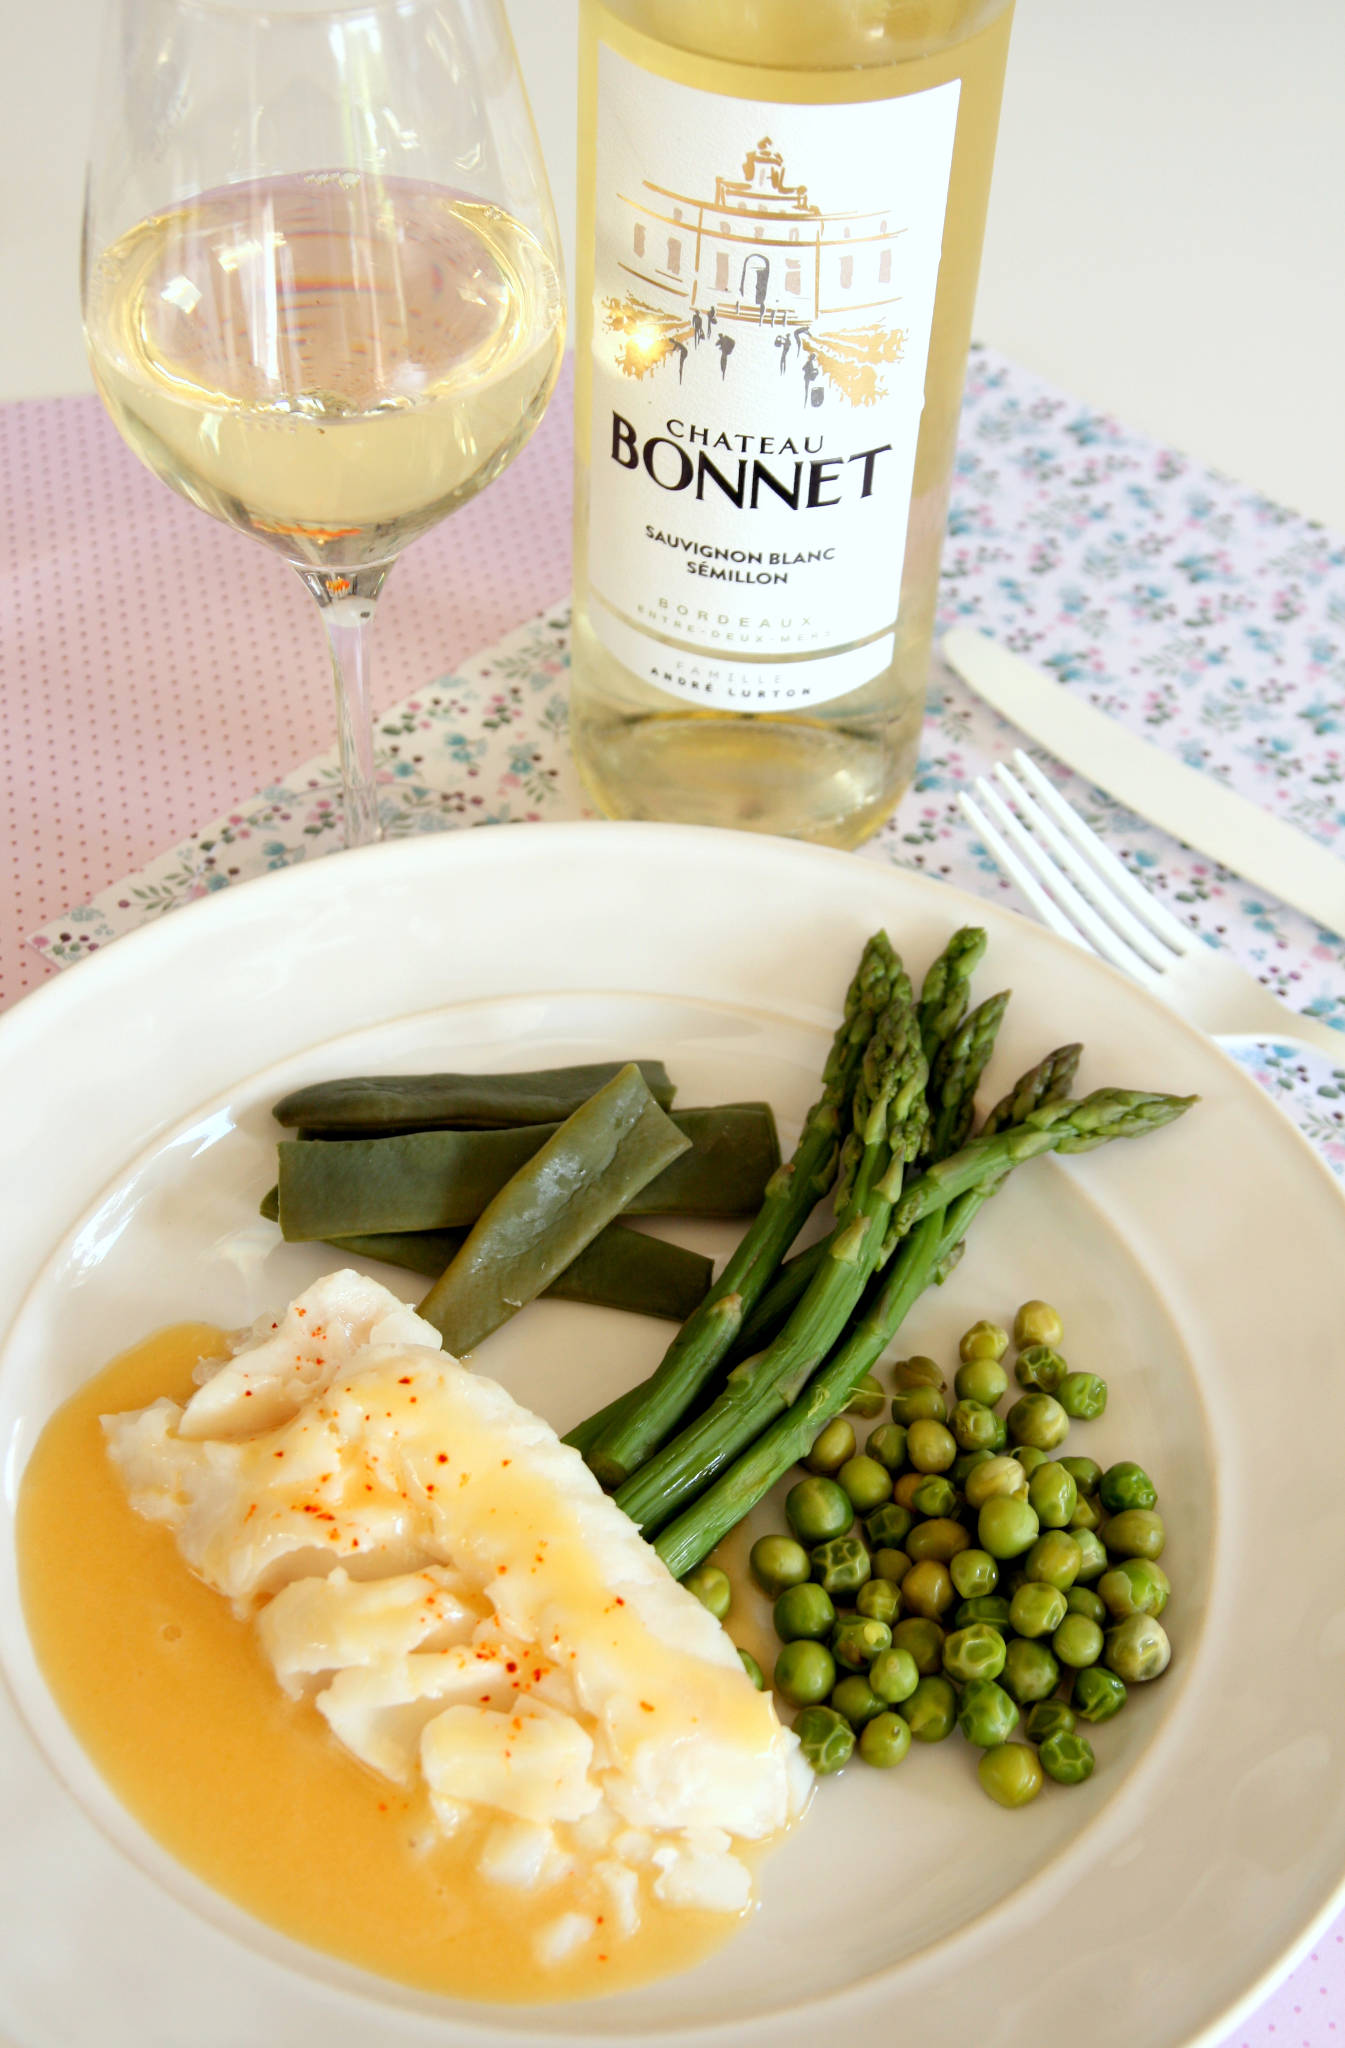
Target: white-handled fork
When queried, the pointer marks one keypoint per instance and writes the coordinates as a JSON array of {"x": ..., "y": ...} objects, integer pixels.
[{"x": 1085, "y": 893}]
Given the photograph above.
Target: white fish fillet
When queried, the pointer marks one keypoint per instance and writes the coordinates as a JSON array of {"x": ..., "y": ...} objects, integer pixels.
[{"x": 482, "y": 1615}]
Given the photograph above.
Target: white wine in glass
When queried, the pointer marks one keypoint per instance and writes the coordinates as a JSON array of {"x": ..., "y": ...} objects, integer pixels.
[{"x": 321, "y": 285}]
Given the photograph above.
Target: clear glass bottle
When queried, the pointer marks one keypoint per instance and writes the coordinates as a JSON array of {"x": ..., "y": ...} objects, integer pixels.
[{"x": 781, "y": 208}]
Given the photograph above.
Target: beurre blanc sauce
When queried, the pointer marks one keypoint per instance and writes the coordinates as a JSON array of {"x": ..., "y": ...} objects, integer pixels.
[{"x": 173, "y": 1701}]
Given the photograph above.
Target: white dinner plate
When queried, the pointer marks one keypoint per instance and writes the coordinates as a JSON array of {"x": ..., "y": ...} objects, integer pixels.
[{"x": 1198, "y": 1270}]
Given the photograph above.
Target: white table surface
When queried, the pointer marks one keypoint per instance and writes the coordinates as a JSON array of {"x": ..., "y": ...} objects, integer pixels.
[{"x": 1165, "y": 234}]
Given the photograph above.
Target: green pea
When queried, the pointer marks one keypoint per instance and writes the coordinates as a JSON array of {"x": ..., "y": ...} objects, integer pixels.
[
  {"x": 804, "y": 1673},
  {"x": 930, "y": 1447},
  {"x": 867, "y": 1483},
  {"x": 1077, "y": 1642},
  {"x": 981, "y": 1379},
  {"x": 1138, "y": 1649},
  {"x": 753, "y": 1669},
  {"x": 855, "y": 1698},
  {"x": 890, "y": 1563},
  {"x": 826, "y": 1739},
  {"x": 1054, "y": 1560},
  {"x": 991, "y": 1607},
  {"x": 856, "y": 1643},
  {"x": 1037, "y": 1610},
  {"x": 1053, "y": 1494},
  {"x": 1135, "y": 1532},
  {"x": 995, "y": 1477},
  {"x": 1039, "y": 1368},
  {"x": 983, "y": 1340},
  {"x": 1126, "y": 1485},
  {"x": 1006, "y": 1527},
  {"x": 1049, "y": 1717},
  {"x": 1134, "y": 1586},
  {"x": 922, "y": 1639},
  {"x": 918, "y": 1404},
  {"x": 831, "y": 1448},
  {"x": 940, "y": 1538},
  {"x": 804, "y": 1614},
  {"x": 887, "y": 1444},
  {"x": 878, "y": 1600},
  {"x": 776, "y": 1562},
  {"x": 842, "y": 1565},
  {"x": 1083, "y": 1600},
  {"x": 1010, "y": 1773},
  {"x": 818, "y": 1509},
  {"x": 1086, "y": 1474},
  {"x": 927, "y": 1590},
  {"x": 1029, "y": 1457},
  {"x": 1037, "y": 1323},
  {"x": 888, "y": 1526},
  {"x": 1067, "y": 1758},
  {"x": 904, "y": 1488},
  {"x": 884, "y": 1741},
  {"x": 933, "y": 1495},
  {"x": 1030, "y": 1671},
  {"x": 974, "y": 1652},
  {"x": 968, "y": 1462},
  {"x": 1087, "y": 1514},
  {"x": 867, "y": 1400},
  {"x": 973, "y": 1572},
  {"x": 974, "y": 1426},
  {"x": 712, "y": 1587},
  {"x": 986, "y": 1714},
  {"x": 894, "y": 1675},
  {"x": 931, "y": 1711},
  {"x": 1039, "y": 1421},
  {"x": 1098, "y": 1694},
  {"x": 1092, "y": 1554},
  {"x": 1082, "y": 1395},
  {"x": 917, "y": 1371}
]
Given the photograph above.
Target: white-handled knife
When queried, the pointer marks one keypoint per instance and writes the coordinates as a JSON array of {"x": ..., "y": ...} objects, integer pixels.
[{"x": 1192, "y": 807}]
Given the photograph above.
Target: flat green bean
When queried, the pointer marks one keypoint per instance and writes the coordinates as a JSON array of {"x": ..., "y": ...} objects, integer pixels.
[
  {"x": 382, "y": 1103},
  {"x": 437, "y": 1180},
  {"x": 557, "y": 1203}
]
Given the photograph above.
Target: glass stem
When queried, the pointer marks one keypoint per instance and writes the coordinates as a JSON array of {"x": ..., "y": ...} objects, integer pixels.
[{"x": 347, "y": 601}]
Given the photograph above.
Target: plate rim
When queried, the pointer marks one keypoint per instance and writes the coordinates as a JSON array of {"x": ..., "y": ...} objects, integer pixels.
[{"x": 236, "y": 906}]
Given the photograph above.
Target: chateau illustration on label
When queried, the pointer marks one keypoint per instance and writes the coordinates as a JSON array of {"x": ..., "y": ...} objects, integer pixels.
[{"x": 760, "y": 267}]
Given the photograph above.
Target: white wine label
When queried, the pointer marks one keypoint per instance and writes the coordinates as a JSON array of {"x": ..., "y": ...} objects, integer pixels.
[{"x": 764, "y": 287}]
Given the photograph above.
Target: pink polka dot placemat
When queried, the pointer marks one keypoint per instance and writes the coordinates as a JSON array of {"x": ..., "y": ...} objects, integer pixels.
[{"x": 155, "y": 666}]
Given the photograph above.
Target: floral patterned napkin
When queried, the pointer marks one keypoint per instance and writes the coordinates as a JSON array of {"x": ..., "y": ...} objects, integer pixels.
[{"x": 1196, "y": 613}]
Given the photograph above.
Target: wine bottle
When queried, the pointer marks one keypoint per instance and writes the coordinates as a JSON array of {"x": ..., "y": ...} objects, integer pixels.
[{"x": 781, "y": 207}]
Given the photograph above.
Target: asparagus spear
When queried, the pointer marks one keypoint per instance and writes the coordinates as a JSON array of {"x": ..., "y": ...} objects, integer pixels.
[
  {"x": 921, "y": 1260},
  {"x": 944, "y": 991},
  {"x": 1054, "y": 1127},
  {"x": 960, "y": 1060},
  {"x": 624, "y": 1444},
  {"x": 735, "y": 1492},
  {"x": 956, "y": 1074},
  {"x": 890, "y": 1118},
  {"x": 1049, "y": 1081}
]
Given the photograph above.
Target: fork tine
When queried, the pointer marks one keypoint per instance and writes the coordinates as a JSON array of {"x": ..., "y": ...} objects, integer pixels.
[
  {"x": 1075, "y": 906},
  {"x": 1146, "y": 907},
  {"x": 1018, "y": 871},
  {"x": 1100, "y": 893}
]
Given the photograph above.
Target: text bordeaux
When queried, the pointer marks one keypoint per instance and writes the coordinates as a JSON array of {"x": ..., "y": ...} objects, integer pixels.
[{"x": 814, "y": 484}]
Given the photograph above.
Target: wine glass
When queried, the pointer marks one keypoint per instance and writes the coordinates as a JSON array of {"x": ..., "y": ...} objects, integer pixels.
[{"x": 321, "y": 282}]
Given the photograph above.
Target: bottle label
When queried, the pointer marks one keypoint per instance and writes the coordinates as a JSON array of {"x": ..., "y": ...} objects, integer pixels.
[{"x": 763, "y": 293}]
